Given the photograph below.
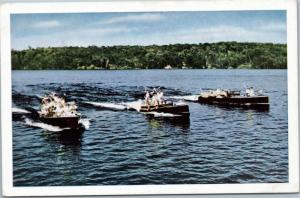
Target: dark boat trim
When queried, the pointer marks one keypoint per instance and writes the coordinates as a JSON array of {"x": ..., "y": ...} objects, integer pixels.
[{"x": 62, "y": 122}]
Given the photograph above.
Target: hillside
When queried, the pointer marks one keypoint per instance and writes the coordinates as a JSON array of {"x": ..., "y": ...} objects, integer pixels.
[{"x": 222, "y": 55}]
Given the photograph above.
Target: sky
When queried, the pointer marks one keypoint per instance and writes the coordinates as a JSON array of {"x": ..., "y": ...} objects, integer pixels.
[{"x": 146, "y": 28}]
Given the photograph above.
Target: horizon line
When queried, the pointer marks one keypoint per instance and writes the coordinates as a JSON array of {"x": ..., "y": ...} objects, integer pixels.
[{"x": 141, "y": 45}]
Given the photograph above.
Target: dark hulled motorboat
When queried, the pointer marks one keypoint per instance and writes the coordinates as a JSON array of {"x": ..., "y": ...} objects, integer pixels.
[
  {"x": 235, "y": 99},
  {"x": 56, "y": 111},
  {"x": 181, "y": 110},
  {"x": 255, "y": 102},
  {"x": 155, "y": 105}
]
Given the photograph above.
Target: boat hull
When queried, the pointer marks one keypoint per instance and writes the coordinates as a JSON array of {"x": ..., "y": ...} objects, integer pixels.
[
  {"x": 254, "y": 102},
  {"x": 180, "y": 110},
  {"x": 62, "y": 122}
]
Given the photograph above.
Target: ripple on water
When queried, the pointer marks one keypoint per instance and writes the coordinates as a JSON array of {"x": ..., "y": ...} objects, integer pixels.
[{"x": 218, "y": 145}]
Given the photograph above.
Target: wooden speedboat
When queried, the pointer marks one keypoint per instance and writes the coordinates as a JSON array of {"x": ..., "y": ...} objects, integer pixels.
[
  {"x": 234, "y": 99},
  {"x": 56, "y": 111},
  {"x": 181, "y": 110}
]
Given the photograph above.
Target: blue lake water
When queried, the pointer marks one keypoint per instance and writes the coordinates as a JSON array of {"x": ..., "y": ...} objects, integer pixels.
[{"x": 218, "y": 145}]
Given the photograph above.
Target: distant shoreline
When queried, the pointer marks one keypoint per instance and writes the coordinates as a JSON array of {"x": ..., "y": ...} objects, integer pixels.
[{"x": 222, "y": 55}]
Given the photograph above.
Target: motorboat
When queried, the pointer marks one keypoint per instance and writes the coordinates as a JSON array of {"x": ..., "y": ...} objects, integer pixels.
[
  {"x": 175, "y": 110},
  {"x": 57, "y": 112},
  {"x": 230, "y": 98}
]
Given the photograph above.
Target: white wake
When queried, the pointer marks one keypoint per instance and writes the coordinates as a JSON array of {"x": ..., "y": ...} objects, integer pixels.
[
  {"x": 19, "y": 110},
  {"x": 85, "y": 122},
  {"x": 42, "y": 125},
  {"x": 166, "y": 115},
  {"x": 136, "y": 105},
  {"x": 108, "y": 105},
  {"x": 187, "y": 98}
]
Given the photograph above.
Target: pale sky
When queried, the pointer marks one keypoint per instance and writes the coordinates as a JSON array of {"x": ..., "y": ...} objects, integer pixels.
[{"x": 146, "y": 28}]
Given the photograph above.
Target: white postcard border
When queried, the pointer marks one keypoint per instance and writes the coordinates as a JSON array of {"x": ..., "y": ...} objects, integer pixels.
[{"x": 139, "y": 6}]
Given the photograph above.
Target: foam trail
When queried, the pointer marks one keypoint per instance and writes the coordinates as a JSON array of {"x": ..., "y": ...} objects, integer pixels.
[
  {"x": 39, "y": 96},
  {"x": 43, "y": 125},
  {"x": 19, "y": 110},
  {"x": 85, "y": 122},
  {"x": 108, "y": 105},
  {"x": 179, "y": 103},
  {"x": 187, "y": 98},
  {"x": 157, "y": 114},
  {"x": 136, "y": 105}
]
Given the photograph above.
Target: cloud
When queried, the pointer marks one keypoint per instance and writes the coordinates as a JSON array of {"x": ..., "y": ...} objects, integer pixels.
[
  {"x": 274, "y": 27},
  {"x": 268, "y": 33},
  {"x": 131, "y": 36},
  {"x": 74, "y": 37},
  {"x": 105, "y": 31},
  {"x": 214, "y": 33},
  {"x": 46, "y": 24},
  {"x": 133, "y": 18},
  {"x": 123, "y": 34}
]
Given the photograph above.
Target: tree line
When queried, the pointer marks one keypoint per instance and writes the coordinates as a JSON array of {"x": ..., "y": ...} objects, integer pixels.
[{"x": 222, "y": 55}]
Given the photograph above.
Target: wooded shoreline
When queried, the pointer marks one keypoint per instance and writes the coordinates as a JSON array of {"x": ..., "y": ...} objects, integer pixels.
[{"x": 222, "y": 55}]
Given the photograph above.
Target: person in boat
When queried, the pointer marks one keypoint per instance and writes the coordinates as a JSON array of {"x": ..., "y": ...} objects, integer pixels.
[
  {"x": 56, "y": 106},
  {"x": 72, "y": 108},
  {"x": 147, "y": 100},
  {"x": 225, "y": 93},
  {"x": 45, "y": 106},
  {"x": 160, "y": 96},
  {"x": 60, "y": 109},
  {"x": 221, "y": 93},
  {"x": 45, "y": 100},
  {"x": 51, "y": 111},
  {"x": 61, "y": 102},
  {"x": 155, "y": 100},
  {"x": 250, "y": 92},
  {"x": 48, "y": 105}
]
